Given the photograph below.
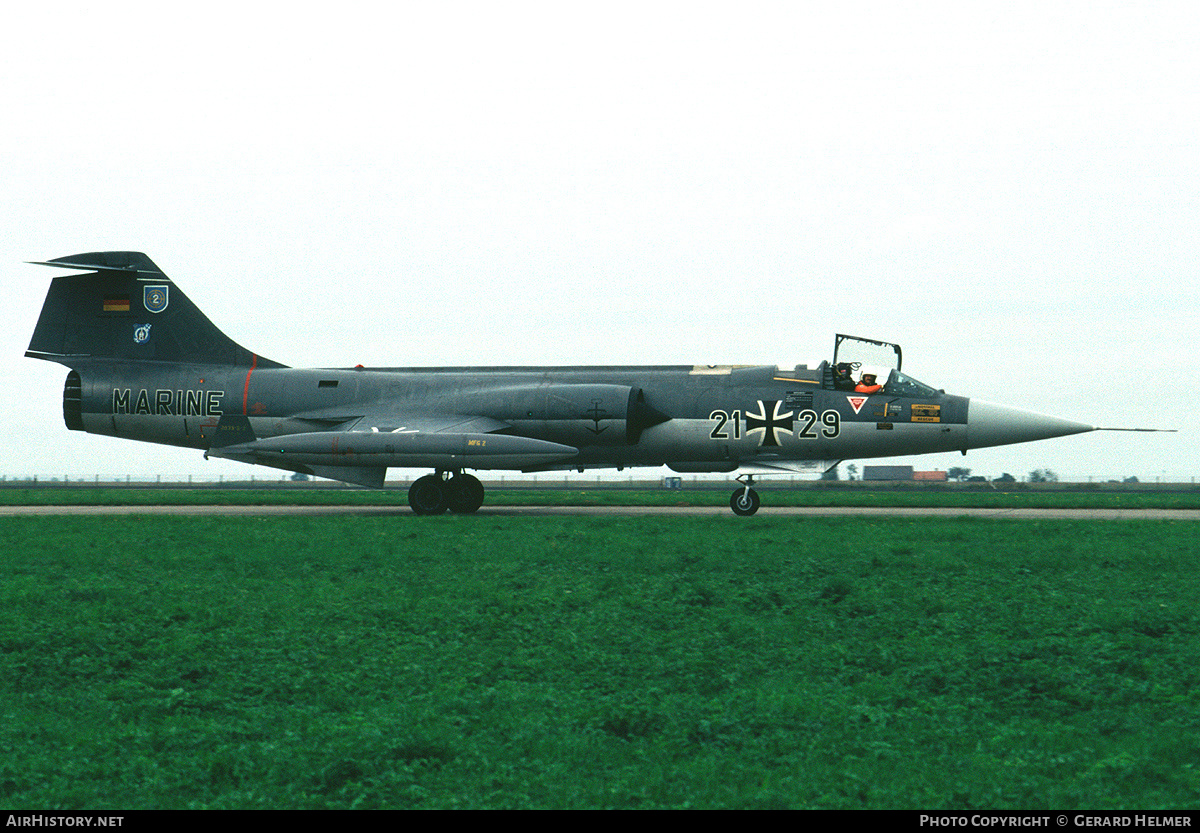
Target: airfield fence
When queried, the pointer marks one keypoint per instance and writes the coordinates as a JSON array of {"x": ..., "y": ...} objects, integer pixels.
[{"x": 580, "y": 483}]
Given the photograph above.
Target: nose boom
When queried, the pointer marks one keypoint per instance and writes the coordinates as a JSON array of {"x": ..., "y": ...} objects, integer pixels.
[{"x": 989, "y": 424}]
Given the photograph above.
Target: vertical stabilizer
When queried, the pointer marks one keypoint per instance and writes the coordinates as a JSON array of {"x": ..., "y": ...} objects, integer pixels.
[{"x": 125, "y": 308}]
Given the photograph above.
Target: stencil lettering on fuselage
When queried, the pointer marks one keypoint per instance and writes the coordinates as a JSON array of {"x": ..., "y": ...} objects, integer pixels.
[
  {"x": 771, "y": 425},
  {"x": 167, "y": 402}
]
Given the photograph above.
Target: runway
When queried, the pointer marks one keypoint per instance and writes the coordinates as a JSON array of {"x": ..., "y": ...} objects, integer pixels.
[{"x": 616, "y": 511}]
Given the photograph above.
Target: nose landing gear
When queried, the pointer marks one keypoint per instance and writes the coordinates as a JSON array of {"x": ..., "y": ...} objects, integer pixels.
[{"x": 744, "y": 501}]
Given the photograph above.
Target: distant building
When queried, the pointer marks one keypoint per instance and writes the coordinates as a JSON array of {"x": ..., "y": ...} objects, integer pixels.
[
  {"x": 902, "y": 473},
  {"x": 887, "y": 472}
]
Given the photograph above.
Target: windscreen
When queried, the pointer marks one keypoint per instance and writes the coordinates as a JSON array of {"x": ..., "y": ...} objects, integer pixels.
[{"x": 898, "y": 384}]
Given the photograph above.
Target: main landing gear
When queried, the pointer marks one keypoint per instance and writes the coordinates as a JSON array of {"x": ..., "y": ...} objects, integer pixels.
[
  {"x": 744, "y": 501},
  {"x": 433, "y": 494}
]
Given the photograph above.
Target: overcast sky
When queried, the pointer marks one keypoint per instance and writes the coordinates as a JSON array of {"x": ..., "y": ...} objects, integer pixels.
[{"x": 1009, "y": 190}]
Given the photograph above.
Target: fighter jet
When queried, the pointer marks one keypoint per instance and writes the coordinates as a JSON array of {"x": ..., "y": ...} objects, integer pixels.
[{"x": 146, "y": 364}]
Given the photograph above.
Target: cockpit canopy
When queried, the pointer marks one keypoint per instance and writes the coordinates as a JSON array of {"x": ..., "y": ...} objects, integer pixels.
[
  {"x": 852, "y": 376},
  {"x": 858, "y": 366}
]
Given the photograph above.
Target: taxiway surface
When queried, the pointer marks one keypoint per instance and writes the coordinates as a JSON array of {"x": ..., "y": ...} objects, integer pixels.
[{"x": 618, "y": 511}]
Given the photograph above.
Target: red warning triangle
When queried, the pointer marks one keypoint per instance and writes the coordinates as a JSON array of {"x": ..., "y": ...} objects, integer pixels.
[{"x": 856, "y": 402}]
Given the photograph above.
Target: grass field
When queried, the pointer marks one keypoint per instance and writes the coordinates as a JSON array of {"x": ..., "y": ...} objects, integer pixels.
[
  {"x": 773, "y": 495},
  {"x": 503, "y": 662}
]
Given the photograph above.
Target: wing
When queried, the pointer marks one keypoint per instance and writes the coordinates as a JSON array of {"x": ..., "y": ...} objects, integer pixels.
[
  {"x": 780, "y": 466},
  {"x": 411, "y": 423}
]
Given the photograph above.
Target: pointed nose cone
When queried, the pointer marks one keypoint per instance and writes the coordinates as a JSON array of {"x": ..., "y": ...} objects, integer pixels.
[{"x": 989, "y": 424}]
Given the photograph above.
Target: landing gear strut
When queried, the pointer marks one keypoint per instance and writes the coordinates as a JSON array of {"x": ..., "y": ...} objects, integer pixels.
[
  {"x": 744, "y": 501},
  {"x": 433, "y": 494}
]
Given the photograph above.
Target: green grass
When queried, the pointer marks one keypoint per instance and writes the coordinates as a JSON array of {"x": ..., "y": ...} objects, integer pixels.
[
  {"x": 501, "y": 662},
  {"x": 773, "y": 495}
]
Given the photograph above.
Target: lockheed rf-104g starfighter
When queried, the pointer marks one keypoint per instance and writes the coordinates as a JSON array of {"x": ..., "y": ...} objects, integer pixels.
[{"x": 146, "y": 364}]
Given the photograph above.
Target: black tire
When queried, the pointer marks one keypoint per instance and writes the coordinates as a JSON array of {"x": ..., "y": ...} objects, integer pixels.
[
  {"x": 465, "y": 494},
  {"x": 744, "y": 502},
  {"x": 427, "y": 495}
]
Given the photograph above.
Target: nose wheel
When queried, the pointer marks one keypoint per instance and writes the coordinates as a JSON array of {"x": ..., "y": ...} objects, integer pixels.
[{"x": 744, "y": 500}]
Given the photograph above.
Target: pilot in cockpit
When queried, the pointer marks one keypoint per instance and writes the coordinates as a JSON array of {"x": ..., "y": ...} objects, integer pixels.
[{"x": 867, "y": 384}]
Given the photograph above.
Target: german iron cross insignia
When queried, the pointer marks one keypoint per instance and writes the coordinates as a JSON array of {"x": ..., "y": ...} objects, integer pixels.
[
  {"x": 155, "y": 298},
  {"x": 771, "y": 425}
]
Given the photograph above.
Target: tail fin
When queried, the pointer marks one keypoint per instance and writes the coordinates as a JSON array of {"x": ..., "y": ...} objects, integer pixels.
[{"x": 126, "y": 308}]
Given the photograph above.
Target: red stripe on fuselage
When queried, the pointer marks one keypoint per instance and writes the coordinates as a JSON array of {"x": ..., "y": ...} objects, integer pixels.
[{"x": 246, "y": 388}]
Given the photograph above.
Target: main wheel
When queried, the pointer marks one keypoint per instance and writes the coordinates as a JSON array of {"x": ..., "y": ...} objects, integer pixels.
[
  {"x": 428, "y": 495},
  {"x": 465, "y": 494},
  {"x": 744, "y": 502}
]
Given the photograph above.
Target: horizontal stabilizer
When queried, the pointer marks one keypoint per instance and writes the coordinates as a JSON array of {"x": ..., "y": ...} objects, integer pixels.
[{"x": 134, "y": 262}]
